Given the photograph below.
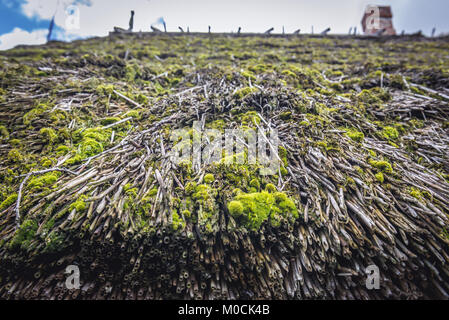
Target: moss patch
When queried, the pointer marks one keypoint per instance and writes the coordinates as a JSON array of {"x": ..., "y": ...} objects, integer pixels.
[{"x": 253, "y": 209}]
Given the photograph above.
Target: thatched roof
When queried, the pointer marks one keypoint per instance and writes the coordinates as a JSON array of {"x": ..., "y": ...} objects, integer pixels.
[{"x": 86, "y": 176}]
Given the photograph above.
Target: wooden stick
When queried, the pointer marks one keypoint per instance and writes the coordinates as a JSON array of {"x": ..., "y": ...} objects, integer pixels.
[{"x": 127, "y": 99}]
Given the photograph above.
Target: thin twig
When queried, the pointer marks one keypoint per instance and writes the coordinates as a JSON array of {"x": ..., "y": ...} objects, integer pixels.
[
  {"x": 117, "y": 123},
  {"x": 127, "y": 99}
]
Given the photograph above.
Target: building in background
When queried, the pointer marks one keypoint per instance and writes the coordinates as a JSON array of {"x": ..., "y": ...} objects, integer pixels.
[{"x": 378, "y": 20}]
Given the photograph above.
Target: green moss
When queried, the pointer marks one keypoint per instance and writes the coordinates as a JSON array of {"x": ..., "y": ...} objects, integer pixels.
[
  {"x": 243, "y": 92},
  {"x": 288, "y": 73},
  {"x": 416, "y": 123},
  {"x": 259, "y": 68},
  {"x": 381, "y": 165},
  {"x": 417, "y": 91},
  {"x": 397, "y": 81},
  {"x": 98, "y": 134},
  {"x": 390, "y": 133},
  {"x": 31, "y": 115},
  {"x": 109, "y": 120},
  {"x": 354, "y": 134},
  {"x": 254, "y": 183},
  {"x": 4, "y": 134},
  {"x": 14, "y": 155},
  {"x": 235, "y": 208},
  {"x": 8, "y": 201},
  {"x": 132, "y": 113},
  {"x": 79, "y": 205},
  {"x": 105, "y": 90},
  {"x": 54, "y": 242},
  {"x": 152, "y": 192},
  {"x": 46, "y": 162},
  {"x": 38, "y": 183},
  {"x": 249, "y": 118},
  {"x": 283, "y": 155},
  {"x": 90, "y": 142},
  {"x": 131, "y": 192},
  {"x": 209, "y": 178},
  {"x": 190, "y": 187},
  {"x": 217, "y": 124},
  {"x": 380, "y": 177},
  {"x": 62, "y": 150},
  {"x": 252, "y": 209},
  {"x": 58, "y": 116},
  {"x": 15, "y": 142},
  {"x": 285, "y": 115},
  {"x": 90, "y": 147},
  {"x": 131, "y": 72},
  {"x": 74, "y": 160},
  {"x": 270, "y": 188},
  {"x": 374, "y": 96},
  {"x": 178, "y": 223},
  {"x": 24, "y": 234},
  {"x": 203, "y": 192},
  {"x": 350, "y": 181},
  {"x": 322, "y": 144},
  {"x": 359, "y": 170},
  {"x": 186, "y": 213},
  {"x": 248, "y": 74},
  {"x": 48, "y": 135},
  {"x": 236, "y": 191},
  {"x": 142, "y": 99},
  {"x": 416, "y": 193}
]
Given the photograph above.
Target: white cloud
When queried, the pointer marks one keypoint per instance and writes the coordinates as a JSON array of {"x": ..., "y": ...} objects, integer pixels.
[
  {"x": 8, "y": 3},
  {"x": 96, "y": 17},
  {"x": 19, "y": 36}
]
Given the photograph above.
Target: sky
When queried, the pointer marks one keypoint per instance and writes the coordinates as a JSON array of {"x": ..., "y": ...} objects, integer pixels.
[{"x": 27, "y": 21}]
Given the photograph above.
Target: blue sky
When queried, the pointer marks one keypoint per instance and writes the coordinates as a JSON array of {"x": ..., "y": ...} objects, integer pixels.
[
  {"x": 11, "y": 16},
  {"x": 27, "y": 21}
]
